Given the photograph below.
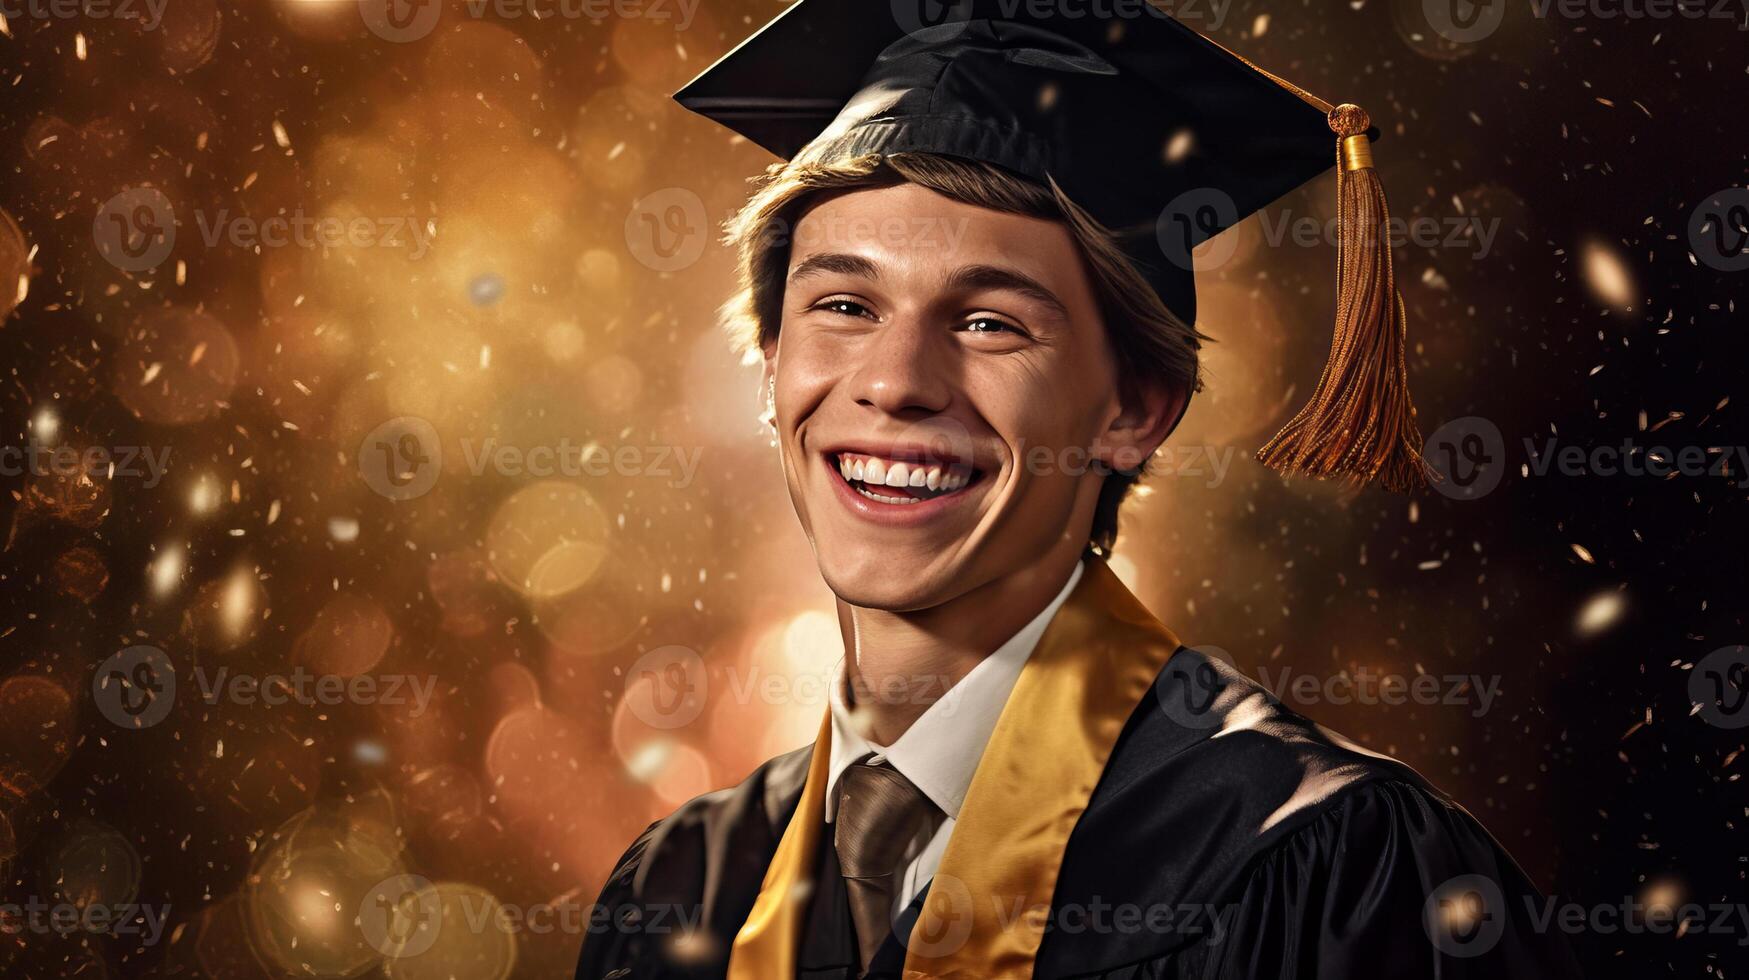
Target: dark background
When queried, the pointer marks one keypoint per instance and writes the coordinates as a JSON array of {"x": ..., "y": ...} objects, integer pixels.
[{"x": 1590, "y": 598}]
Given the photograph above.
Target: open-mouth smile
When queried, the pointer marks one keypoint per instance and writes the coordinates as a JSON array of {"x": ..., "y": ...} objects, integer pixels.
[{"x": 901, "y": 482}]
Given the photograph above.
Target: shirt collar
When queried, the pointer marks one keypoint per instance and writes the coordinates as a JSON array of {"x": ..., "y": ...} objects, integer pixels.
[{"x": 940, "y": 751}]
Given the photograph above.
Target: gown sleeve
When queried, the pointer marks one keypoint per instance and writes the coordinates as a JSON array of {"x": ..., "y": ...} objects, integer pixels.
[
  {"x": 610, "y": 949},
  {"x": 1389, "y": 882}
]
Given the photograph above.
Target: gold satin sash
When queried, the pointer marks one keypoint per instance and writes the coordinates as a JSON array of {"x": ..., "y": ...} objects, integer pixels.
[
  {"x": 766, "y": 945},
  {"x": 986, "y": 909}
]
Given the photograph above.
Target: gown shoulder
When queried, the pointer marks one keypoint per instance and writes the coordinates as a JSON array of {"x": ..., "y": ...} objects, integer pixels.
[
  {"x": 683, "y": 888},
  {"x": 1242, "y": 840}
]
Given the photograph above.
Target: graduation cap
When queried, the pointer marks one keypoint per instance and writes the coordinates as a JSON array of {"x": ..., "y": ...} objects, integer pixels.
[{"x": 1163, "y": 136}]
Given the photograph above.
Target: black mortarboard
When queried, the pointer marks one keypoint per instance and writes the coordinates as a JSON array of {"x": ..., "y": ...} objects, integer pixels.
[{"x": 1163, "y": 136}]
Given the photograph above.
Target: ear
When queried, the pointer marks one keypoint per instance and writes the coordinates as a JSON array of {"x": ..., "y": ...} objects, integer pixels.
[
  {"x": 1147, "y": 415},
  {"x": 768, "y": 383}
]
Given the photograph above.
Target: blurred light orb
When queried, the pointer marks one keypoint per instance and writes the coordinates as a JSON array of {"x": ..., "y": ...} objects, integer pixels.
[
  {"x": 305, "y": 890},
  {"x": 221, "y": 946},
  {"x": 647, "y": 760},
  {"x": 685, "y": 774},
  {"x": 320, "y": 20},
  {"x": 164, "y": 573},
  {"x": 1410, "y": 17},
  {"x": 462, "y": 586},
  {"x": 369, "y": 752},
  {"x": 94, "y": 865},
  {"x": 1663, "y": 895},
  {"x": 563, "y": 341},
  {"x": 1601, "y": 611},
  {"x": 176, "y": 366},
  {"x": 512, "y": 687},
  {"x": 78, "y": 496},
  {"x": 474, "y": 939},
  {"x": 443, "y": 801},
  {"x": 45, "y": 423},
  {"x": 812, "y": 641},
  {"x": 540, "y": 762},
  {"x": 40, "y": 720},
  {"x": 486, "y": 290},
  {"x": 80, "y": 572},
  {"x": 613, "y": 384},
  {"x": 1608, "y": 275},
  {"x": 474, "y": 56},
  {"x": 348, "y": 637},
  {"x": 206, "y": 494},
  {"x": 547, "y": 539},
  {"x": 189, "y": 35},
  {"x": 14, "y": 265},
  {"x": 226, "y": 611},
  {"x": 599, "y": 272},
  {"x": 593, "y": 621}
]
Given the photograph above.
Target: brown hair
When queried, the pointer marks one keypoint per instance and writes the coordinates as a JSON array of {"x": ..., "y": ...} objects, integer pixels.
[{"x": 1149, "y": 341}]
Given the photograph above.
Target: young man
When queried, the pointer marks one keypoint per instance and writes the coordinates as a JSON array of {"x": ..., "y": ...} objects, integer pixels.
[{"x": 959, "y": 417}]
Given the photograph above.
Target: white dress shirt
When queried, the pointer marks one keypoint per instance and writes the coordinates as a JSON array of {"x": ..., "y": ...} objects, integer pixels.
[{"x": 940, "y": 751}]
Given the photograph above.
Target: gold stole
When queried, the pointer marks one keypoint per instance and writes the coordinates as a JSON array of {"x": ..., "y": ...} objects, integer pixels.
[{"x": 987, "y": 905}]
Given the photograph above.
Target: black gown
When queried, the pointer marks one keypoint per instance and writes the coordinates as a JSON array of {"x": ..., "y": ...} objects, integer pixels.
[{"x": 1246, "y": 842}]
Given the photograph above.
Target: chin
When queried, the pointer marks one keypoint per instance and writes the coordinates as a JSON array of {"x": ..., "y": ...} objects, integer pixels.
[{"x": 870, "y": 578}]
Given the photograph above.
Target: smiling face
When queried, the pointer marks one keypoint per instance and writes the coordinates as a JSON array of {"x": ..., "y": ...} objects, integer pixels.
[{"x": 943, "y": 382}]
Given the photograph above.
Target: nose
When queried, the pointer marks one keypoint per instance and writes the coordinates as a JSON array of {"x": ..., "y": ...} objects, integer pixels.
[{"x": 905, "y": 369}]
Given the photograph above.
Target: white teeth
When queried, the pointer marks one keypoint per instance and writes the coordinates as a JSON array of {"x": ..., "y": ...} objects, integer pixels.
[
  {"x": 874, "y": 471},
  {"x": 883, "y": 498}
]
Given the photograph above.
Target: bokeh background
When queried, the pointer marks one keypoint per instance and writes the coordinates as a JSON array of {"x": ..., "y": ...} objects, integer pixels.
[{"x": 531, "y": 264}]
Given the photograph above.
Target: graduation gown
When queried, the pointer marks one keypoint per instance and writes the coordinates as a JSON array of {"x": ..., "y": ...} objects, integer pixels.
[{"x": 1197, "y": 829}]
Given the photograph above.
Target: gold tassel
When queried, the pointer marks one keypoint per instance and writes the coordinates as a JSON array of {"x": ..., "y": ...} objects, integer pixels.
[{"x": 1359, "y": 426}]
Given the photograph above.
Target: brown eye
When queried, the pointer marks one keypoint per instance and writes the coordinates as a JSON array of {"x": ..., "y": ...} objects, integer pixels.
[
  {"x": 986, "y": 324},
  {"x": 843, "y": 307}
]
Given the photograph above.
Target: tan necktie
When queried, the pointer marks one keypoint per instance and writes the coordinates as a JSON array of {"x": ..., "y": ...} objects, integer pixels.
[{"x": 879, "y": 815}]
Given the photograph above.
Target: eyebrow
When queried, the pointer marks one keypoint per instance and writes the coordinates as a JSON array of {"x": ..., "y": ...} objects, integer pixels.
[
  {"x": 996, "y": 277},
  {"x": 970, "y": 277},
  {"x": 834, "y": 263}
]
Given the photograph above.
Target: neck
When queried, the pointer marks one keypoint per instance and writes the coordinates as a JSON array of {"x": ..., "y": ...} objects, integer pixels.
[{"x": 903, "y": 662}]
